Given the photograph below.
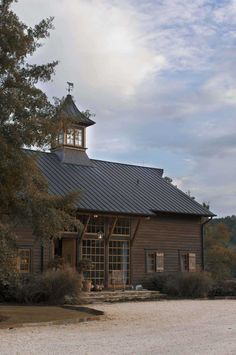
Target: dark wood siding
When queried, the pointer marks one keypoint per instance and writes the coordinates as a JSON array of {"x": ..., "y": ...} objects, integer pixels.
[
  {"x": 26, "y": 239},
  {"x": 169, "y": 235}
]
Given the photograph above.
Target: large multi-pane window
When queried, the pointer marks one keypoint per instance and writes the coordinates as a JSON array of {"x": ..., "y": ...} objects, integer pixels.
[
  {"x": 95, "y": 225},
  {"x": 122, "y": 227},
  {"x": 119, "y": 259},
  {"x": 94, "y": 251}
]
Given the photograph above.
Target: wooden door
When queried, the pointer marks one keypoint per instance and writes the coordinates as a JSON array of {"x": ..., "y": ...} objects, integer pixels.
[{"x": 69, "y": 251}]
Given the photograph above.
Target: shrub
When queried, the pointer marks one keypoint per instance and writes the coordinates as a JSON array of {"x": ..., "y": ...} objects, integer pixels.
[
  {"x": 189, "y": 285},
  {"x": 9, "y": 285},
  {"x": 56, "y": 263},
  {"x": 50, "y": 287},
  {"x": 223, "y": 289}
]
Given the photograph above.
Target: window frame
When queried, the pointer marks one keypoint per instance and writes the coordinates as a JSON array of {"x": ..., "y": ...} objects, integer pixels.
[
  {"x": 73, "y": 132},
  {"x": 156, "y": 253},
  {"x": 190, "y": 255},
  {"x": 19, "y": 250},
  {"x": 122, "y": 228}
]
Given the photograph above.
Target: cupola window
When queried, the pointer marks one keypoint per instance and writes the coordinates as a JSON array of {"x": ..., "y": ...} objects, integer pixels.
[
  {"x": 70, "y": 137},
  {"x": 79, "y": 137},
  {"x": 74, "y": 137},
  {"x": 61, "y": 138}
]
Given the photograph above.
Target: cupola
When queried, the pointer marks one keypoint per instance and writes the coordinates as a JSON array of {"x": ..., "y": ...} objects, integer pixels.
[{"x": 70, "y": 144}]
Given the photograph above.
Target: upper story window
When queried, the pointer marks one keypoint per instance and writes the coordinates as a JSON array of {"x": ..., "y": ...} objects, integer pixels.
[
  {"x": 75, "y": 137},
  {"x": 95, "y": 225},
  {"x": 122, "y": 227}
]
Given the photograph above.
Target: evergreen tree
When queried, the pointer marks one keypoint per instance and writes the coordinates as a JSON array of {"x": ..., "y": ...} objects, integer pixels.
[{"x": 26, "y": 120}]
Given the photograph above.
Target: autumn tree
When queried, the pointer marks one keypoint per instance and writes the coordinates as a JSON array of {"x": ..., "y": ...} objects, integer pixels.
[
  {"x": 26, "y": 120},
  {"x": 220, "y": 256}
]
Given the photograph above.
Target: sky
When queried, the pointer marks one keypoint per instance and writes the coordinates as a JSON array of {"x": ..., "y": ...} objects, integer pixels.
[{"x": 160, "y": 76}]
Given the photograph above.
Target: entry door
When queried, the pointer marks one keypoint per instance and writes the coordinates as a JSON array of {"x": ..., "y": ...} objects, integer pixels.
[{"x": 69, "y": 251}]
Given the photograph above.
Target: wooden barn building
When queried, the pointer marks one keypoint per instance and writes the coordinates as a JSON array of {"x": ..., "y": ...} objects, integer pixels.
[{"x": 134, "y": 221}]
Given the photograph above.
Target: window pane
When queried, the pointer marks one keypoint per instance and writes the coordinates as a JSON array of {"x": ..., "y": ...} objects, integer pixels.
[
  {"x": 24, "y": 260},
  {"x": 119, "y": 260},
  {"x": 151, "y": 258},
  {"x": 184, "y": 262},
  {"x": 94, "y": 251},
  {"x": 61, "y": 138},
  {"x": 79, "y": 137},
  {"x": 122, "y": 227},
  {"x": 70, "y": 137}
]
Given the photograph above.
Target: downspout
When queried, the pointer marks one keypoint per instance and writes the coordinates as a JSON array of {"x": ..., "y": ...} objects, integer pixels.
[{"x": 202, "y": 241}]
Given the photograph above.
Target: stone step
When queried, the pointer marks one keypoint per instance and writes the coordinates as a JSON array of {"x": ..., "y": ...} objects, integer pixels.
[{"x": 121, "y": 296}]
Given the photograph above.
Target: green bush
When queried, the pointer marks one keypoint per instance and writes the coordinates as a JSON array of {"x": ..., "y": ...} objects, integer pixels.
[
  {"x": 9, "y": 285},
  {"x": 50, "y": 287},
  {"x": 188, "y": 285},
  {"x": 53, "y": 286},
  {"x": 223, "y": 289}
]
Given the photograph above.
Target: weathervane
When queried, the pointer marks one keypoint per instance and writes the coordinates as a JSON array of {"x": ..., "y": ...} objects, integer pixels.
[{"x": 70, "y": 87}]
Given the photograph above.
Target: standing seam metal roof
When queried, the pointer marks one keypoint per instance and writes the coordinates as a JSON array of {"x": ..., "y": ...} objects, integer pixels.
[{"x": 117, "y": 188}]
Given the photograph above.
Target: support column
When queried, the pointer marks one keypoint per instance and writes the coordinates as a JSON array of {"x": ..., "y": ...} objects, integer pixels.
[{"x": 106, "y": 254}]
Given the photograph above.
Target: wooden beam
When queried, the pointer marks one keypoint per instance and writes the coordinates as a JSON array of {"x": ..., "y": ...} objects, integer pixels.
[
  {"x": 85, "y": 228},
  {"x": 112, "y": 229},
  {"x": 136, "y": 230}
]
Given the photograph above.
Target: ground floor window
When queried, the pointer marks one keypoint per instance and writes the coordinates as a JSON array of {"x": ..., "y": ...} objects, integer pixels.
[
  {"x": 24, "y": 260},
  {"x": 154, "y": 261},
  {"x": 94, "y": 250},
  {"x": 187, "y": 262},
  {"x": 119, "y": 260}
]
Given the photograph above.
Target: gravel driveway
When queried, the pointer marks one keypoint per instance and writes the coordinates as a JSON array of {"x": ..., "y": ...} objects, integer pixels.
[{"x": 165, "y": 327}]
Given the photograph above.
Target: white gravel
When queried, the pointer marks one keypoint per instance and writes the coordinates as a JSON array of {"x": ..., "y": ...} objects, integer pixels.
[{"x": 166, "y": 327}]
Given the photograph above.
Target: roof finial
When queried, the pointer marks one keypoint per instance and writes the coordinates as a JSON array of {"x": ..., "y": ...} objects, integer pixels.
[{"x": 70, "y": 87}]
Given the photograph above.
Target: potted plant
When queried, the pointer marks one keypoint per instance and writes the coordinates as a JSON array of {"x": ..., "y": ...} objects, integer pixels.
[{"x": 83, "y": 266}]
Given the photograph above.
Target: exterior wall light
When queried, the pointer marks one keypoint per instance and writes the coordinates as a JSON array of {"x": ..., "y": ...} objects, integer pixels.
[{"x": 100, "y": 235}]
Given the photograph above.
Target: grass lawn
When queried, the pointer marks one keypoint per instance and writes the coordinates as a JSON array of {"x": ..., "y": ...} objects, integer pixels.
[{"x": 13, "y": 316}]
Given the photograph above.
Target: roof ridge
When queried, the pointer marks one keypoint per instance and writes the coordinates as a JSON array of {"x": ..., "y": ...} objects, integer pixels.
[
  {"x": 128, "y": 164},
  {"x": 100, "y": 160}
]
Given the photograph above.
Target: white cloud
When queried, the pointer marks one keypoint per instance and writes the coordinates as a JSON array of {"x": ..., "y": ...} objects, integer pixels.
[
  {"x": 160, "y": 76},
  {"x": 100, "y": 46}
]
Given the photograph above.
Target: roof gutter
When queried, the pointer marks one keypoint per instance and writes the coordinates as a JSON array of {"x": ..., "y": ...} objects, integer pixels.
[{"x": 202, "y": 240}]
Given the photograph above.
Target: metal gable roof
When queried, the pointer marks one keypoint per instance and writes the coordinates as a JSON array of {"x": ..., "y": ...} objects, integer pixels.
[{"x": 118, "y": 188}]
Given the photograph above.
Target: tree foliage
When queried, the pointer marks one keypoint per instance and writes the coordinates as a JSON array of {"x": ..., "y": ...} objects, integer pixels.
[
  {"x": 220, "y": 256},
  {"x": 27, "y": 119},
  {"x": 230, "y": 222}
]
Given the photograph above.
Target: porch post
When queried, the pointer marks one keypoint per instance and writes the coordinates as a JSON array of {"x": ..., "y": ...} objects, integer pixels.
[{"x": 106, "y": 254}]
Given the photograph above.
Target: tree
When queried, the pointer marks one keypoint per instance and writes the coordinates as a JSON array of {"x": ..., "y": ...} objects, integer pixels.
[
  {"x": 168, "y": 179},
  {"x": 220, "y": 257},
  {"x": 27, "y": 118}
]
